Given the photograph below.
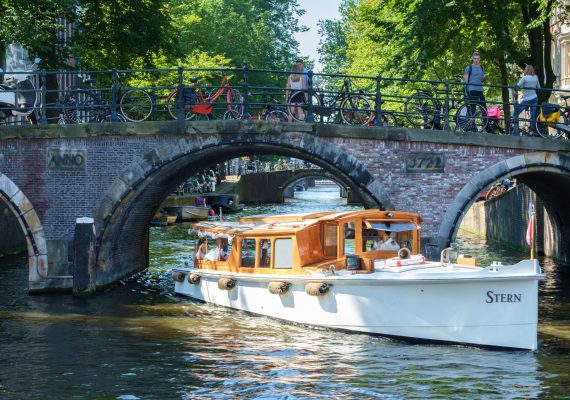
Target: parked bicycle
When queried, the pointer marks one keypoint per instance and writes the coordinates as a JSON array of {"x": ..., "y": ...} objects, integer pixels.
[
  {"x": 18, "y": 95},
  {"x": 85, "y": 104},
  {"x": 499, "y": 189},
  {"x": 199, "y": 105},
  {"x": 553, "y": 120},
  {"x": 271, "y": 111},
  {"x": 343, "y": 106},
  {"x": 425, "y": 109}
]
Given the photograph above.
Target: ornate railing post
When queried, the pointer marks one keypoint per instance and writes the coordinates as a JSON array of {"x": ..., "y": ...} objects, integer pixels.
[
  {"x": 114, "y": 95},
  {"x": 310, "y": 115},
  {"x": 378, "y": 103},
  {"x": 245, "y": 88},
  {"x": 43, "y": 118},
  {"x": 515, "y": 118},
  {"x": 446, "y": 125},
  {"x": 180, "y": 92}
]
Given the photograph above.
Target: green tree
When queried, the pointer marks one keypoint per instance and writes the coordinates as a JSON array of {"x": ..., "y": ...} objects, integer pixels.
[
  {"x": 122, "y": 33},
  {"x": 257, "y": 31}
]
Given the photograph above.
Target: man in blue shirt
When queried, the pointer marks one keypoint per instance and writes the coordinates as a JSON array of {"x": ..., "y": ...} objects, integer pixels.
[{"x": 474, "y": 75}]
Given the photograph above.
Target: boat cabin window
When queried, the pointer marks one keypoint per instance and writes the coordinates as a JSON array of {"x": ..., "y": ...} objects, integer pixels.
[
  {"x": 248, "y": 253},
  {"x": 218, "y": 249},
  {"x": 370, "y": 239},
  {"x": 330, "y": 240},
  {"x": 349, "y": 238},
  {"x": 382, "y": 235},
  {"x": 283, "y": 257},
  {"x": 264, "y": 253}
]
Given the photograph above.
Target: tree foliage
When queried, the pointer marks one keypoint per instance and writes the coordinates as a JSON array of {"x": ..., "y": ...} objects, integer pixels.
[
  {"x": 121, "y": 33},
  {"x": 259, "y": 32},
  {"x": 127, "y": 33},
  {"x": 434, "y": 39}
]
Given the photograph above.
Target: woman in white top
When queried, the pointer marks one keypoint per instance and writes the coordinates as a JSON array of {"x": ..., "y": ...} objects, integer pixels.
[
  {"x": 530, "y": 85},
  {"x": 295, "y": 83}
]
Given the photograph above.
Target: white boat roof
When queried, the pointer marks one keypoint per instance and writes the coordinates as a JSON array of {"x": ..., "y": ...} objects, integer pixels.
[{"x": 291, "y": 223}]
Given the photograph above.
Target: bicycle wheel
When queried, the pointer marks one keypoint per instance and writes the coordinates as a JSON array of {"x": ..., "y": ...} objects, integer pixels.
[
  {"x": 293, "y": 107},
  {"x": 388, "y": 119},
  {"x": 82, "y": 107},
  {"x": 235, "y": 102},
  {"x": 355, "y": 110},
  {"x": 471, "y": 117},
  {"x": 172, "y": 106},
  {"x": 277, "y": 115},
  {"x": 495, "y": 191},
  {"x": 136, "y": 105},
  {"x": 420, "y": 109},
  {"x": 550, "y": 129}
]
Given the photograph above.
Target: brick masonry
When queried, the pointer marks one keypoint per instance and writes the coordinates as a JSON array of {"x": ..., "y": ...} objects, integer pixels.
[{"x": 129, "y": 169}]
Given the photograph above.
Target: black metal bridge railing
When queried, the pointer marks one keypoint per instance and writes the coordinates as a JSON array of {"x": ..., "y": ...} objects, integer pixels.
[{"x": 242, "y": 93}]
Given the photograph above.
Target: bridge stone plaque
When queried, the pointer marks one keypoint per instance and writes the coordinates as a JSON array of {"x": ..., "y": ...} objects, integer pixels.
[
  {"x": 66, "y": 159},
  {"x": 425, "y": 162}
]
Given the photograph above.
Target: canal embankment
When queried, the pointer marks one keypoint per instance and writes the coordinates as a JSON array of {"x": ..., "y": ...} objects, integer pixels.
[{"x": 504, "y": 219}]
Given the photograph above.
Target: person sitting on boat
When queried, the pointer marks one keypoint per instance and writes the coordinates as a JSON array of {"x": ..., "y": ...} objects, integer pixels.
[
  {"x": 218, "y": 253},
  {"x": 201, "y": 249},
  {"x": 388, "y": 243}
]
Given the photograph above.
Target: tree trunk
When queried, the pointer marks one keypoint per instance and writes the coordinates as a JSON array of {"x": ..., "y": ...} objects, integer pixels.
[
  {"x": 550, "y": 77},
  {"x": 2, "y": 59},
  {"x": 505, "y": 95},
  {"x": 535, "y": 36}
]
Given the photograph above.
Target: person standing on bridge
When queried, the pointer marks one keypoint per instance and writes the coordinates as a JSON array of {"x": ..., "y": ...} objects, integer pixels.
[
  {"x": 474, "y": 76},
  {"x": 304, "y": 71},
  {"x": 530, "y": 85},
  {"x": 296, "y": 95}
]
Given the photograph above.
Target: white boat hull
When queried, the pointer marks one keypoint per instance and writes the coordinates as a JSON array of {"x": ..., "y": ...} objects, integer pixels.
[{"x": 462, "y": 305}]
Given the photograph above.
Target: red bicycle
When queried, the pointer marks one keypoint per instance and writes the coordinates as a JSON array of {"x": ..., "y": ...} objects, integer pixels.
[{"x": 198, "y": 105}]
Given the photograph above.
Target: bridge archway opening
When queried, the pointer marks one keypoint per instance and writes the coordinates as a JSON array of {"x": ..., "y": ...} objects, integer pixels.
[
  {"x": 124, "y": 215},
  {"x": 314, "y": 179},
  {"x": 21, "y": 222},
  {"x": 542, "y": 180}
]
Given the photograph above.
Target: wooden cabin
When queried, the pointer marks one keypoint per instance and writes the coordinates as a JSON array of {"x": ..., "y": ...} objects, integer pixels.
[{"x": 293, "y": 243}]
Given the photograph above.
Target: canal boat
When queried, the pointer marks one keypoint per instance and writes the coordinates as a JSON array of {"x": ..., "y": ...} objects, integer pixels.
[
  {"x": 162, "y": 219},
  {"x": 188, "y": 213},
  {"x": 361, "y": 271}
]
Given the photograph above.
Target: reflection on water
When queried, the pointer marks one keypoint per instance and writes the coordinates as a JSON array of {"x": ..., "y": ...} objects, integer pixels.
[{"x": 141, "y": 341}]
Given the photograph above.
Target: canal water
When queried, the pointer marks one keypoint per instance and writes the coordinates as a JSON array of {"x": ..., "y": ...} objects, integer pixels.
[{"x": 140, "y": 341}]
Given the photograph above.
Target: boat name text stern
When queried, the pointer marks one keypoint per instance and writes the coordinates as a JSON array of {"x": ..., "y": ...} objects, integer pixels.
[{"x": 493, "y": 297}]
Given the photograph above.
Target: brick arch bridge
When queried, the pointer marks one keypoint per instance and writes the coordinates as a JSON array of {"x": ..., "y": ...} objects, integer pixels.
[
  {"x": 119, "y": 174},
  {"x": 270, "y": 187}
]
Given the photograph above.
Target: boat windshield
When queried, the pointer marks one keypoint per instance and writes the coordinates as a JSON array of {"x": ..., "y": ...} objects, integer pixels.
[{"x": 388, "y": 235}]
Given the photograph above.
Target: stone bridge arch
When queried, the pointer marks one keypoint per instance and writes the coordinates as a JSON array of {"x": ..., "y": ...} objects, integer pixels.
[
  {"x": 547, "y": 174},
  {"x": 311, "y": 173},
  {"x": 122, "y": 217},
  {"x": 276, "y": 182},
  {"x": 32, "y": 228}
]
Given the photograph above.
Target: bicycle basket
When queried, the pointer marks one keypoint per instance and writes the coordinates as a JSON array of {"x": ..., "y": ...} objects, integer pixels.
[{"x": 549, "y": 113}]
